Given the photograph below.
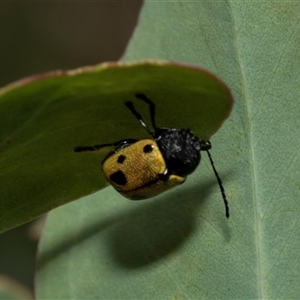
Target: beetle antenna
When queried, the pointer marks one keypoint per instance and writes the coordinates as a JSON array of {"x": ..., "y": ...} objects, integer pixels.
[
  {"x": 131, "y": 107},
  {"x": 220, "y": 185},
  {"x": 152, "y": 108}
]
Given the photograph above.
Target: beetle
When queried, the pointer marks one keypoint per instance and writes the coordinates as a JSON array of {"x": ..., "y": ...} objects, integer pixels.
[{"x": 140, "y": 169}]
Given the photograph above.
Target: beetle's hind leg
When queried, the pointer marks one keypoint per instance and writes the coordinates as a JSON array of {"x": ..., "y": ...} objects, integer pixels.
[{"x": 120, "y": 144}]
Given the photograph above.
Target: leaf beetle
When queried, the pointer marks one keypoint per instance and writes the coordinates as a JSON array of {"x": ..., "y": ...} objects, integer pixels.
[{"x": 141, "y": 169}]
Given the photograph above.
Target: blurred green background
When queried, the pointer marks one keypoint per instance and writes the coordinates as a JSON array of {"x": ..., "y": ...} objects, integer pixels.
[{"x": 41, "y": 36}]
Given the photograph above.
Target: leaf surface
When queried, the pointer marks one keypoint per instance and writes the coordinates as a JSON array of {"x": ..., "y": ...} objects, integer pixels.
[
  {"x": 180, "y": 245},
  {"x": 42, "y": 120}
]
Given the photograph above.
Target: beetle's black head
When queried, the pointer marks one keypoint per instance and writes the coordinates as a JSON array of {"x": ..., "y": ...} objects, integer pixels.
[{"x": 180, "y": 149}]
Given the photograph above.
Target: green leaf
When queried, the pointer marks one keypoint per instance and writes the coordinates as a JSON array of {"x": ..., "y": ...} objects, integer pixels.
[
  {"x": 179, "y": 245},
  {"x": 44, "y": 118}
]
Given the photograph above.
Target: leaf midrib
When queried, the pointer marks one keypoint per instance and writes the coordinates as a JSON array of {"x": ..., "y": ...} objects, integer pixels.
[{"x": 257, "y": 223}]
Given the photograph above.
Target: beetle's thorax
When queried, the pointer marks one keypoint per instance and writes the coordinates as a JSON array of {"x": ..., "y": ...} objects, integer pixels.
[{"x": 180, "y": 148}]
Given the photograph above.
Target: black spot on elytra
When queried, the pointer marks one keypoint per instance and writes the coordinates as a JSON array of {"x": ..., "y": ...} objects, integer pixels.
[
  {"x": 118, "y": 178},
  {"x": 121, "y": 159},
  {"x": 148, "y": 148}
]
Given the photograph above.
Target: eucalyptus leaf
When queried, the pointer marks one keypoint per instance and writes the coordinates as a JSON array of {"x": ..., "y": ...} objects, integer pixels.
[
  {"x": 179, "y": 245},
  {"x": 45, "y": 117}
]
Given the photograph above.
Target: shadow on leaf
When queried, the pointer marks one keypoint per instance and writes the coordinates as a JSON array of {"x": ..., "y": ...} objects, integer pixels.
[
  {"x": 148, "y": 234},
  {"x": 145, "y": 234}
]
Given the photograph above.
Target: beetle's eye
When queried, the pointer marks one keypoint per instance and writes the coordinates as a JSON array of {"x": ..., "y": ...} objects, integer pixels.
[{"x": 148, "y": 148}]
